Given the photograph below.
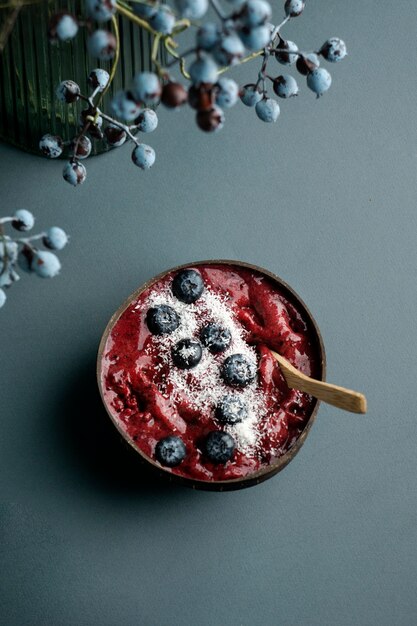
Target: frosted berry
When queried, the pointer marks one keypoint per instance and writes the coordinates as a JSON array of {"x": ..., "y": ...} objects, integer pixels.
[
  {"x": 147, "y": 121},
  {"x": 62, "y": 27},
  {"x": 227, "y": 92},
  {"x": 211, "y": 120},
  {"x": 170, "y": 451},
  {"x": 307, "y": 63},
  {"x": 208, "y": 36},
  {"x": 256, "y": 13},
  {"x": 98, "y": 79},
  {"x": 102, "y": 45},
  {"x": 192, "y": 9},
  {"x": 3, "y": 298},
  {"x": 219, "y": 446},
  {"x": 319, "y": 80},
  {"x": 45, "y": 264},
  {"x": 231, "y": 410},
  {"x": 187, "y": 354},
  {"x": 285, "y": 58},
  {"x": 115, "y": 136},
  {"x": 23, "y": 220},
  {"x": 81, "y": 147},
  {"x": 285, "y": 86},
  {"x": 124, "y": 106},
  {"x": 68, "y": 91},
  {"x": 294, "y": 8},
  {"x": 188, "y": 285},
  {"x": 216, "y": 338},
  {"x": 267, "y": 110},
  {"x": 162, "y": 320},
  {"x": 229, "y": 51},
  {"x": 101, "y": 10},
  {"x": 146, "y": 88},
  {"x": 55, "y": 238},
  {"x": 74, "y": 172},
  {"x": 237, "y": 371},
  {"x": 51, "y": 146},
  {"x": 203, "y": 70},
  {"x": 256, "y": 38},
  {"x": 163, "y": 20},
  {"x": 250, "y": 95},
  {"x": 143, "y": 156},
  {"x": 174, "y": 95},
  {"x": 333, "y": 50}
]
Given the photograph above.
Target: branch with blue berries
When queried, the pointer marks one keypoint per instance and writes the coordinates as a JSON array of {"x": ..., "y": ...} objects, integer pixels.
[
  {"x": 235, "y": 36},
  {"x": 23, "y": 252}
]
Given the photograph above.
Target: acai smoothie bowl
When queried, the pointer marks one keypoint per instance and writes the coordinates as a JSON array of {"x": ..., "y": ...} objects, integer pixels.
[{"x": 186, "y": 373}]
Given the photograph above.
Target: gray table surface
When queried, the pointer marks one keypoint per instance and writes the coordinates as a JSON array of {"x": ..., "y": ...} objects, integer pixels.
[{"x": 326, "y": 199}]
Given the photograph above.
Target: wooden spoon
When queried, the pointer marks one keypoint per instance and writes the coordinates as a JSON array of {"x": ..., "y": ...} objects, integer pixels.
[{"x": 332, "y": 394}]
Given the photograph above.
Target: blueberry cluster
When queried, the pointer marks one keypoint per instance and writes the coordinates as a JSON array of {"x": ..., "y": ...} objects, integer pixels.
[
  {"x": 235, "y": 33},
  {"x": 21, "y": 253}
]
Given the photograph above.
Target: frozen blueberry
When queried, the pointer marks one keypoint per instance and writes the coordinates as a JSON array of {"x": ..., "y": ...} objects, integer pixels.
[
  {"x": 143, "y": 156},
  {"x": 170, "y": 451},
  {"x": 23, "y": 220},
  {"x": 231, "y": 410},
  {"x": 162, "y": 320},
  {"x": 45, "y": 264},
  {"x": 219, "y": 446},
  {"x": 98, "y": 79},
  {"x": 237, "y": 371},
  {"x": 55, "y": 238},
  {"x": 215, "y": 338},
  {"x": 188, "y": 286},
  {"x": 187, "y": 353}
]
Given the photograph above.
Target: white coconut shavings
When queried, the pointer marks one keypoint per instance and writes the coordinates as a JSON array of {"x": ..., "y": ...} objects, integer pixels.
[{"x": 202, "y": 385}]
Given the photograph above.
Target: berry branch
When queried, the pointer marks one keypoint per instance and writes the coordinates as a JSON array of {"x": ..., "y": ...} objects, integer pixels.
[
  {"x": 20, "y": 253},
  {"x": 230, "y": 40}
]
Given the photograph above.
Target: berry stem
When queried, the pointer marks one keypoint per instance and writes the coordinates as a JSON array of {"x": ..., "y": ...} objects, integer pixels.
[
  {"x": 119, "y": 125},
  {"x": 276, "y": 30}
]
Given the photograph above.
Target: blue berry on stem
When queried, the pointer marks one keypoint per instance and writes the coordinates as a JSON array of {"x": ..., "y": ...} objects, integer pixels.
[
  {"x": 98, "y": 79},
  {"x": 163, "y": 20},
  {"x": 23, "y": 220},
  {"x": 267, "y": 110},
  {"x": 124, "y": 106},
  {"x": 216, "y": 338},
  {"x": 81, "y": 147},
  {"x": 101, "y": 10},
  {"x": 294, "y": 8},
  {"x": 51, "y": 146},
  {"x": 143, "y": 156},
  {"x": 286, "y": 58},
  {"x": 115, "y": 136},
  {"x": 45, "y": 264},
  {"x": 147, "y": 121},
  {"x": 229, "y": 51},
  {"x": 231, "y": 410},
  {"x": 319, "y": 81},
  {"x": 208, "y": 36},
  {"x": 162, "y": 320},
  {"x": 102, "y": 44},
  {"x": 256, "y": 13},
  {"x": 219, "y": 446},
  {"x": 256, "y": 38},
  {"x": 307, "y": 63},
  {"x": 188, "y": 286},
  {"x": 187, "y": 353},
  {"x": 237, "y": 371},
  {"x": 55, "y": 238},
  {"x": 74, "y": 172},
  {"x": 333, "y": 50},
  {"x": 67, "y": 91},
  {"x": 285, "y": 86},
  {"x": 227, "y": 92},
  {"x": 146, "y": 88},
  {"x": 203, "y": 70},
  {"x": 250, "y": 95},
  {"x": 170, "y": 451},
  {"x": 62, "y": 27}
]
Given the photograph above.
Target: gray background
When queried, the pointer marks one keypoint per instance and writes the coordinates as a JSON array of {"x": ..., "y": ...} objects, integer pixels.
[{"x": 326, "y": 199}]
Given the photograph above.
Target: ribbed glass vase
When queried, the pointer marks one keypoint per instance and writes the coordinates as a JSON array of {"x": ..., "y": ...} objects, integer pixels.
[{"x": 31, "y": 69}]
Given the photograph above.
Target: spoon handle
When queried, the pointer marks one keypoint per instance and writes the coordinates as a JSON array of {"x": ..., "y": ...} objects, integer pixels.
[{"x": 346, "y": 399}]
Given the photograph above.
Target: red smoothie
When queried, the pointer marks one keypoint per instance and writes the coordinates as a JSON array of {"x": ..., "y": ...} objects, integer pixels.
[{"x": 188, "y": 376}]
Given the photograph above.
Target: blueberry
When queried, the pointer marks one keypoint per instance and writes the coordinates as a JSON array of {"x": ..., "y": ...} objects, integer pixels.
[
  {"x": 285, "y": 86},
  {"x": 143, "y": 156},
  {"x": 229, "y": 51},
  {"x": 147, "y": 121},
  {"x": 250, "y": 95},
  {"x": 55, "y": 238},
  {"x": 294, "y": 8},
  {"x": 74, "y": 172},
  {"x": 98, "y": 79},
  {"x": 51, "y": 146},
  {"x": 231, "y": 410},
  {"x": 124, "y": 106},
  {"x": 319, "y": 81},
  {"x": 170, "y": 451},
  {"x": 267, "y": 110},
  {"x": 333, "y": 50},
  {"x": 237, "y": 371},
  {"x": 62, "y": 27},
  {"x": 203, "y": 70},
  {"x": 227, "y": 92},
  {"x": 67, "y": 91},
  {"x": 284, "y": 57},
  {"x": 45, "y": 264},
  {"x": 187, "y": 286},
  {"x": 81, "y": 147},
  {"x": 162, "y": 320},
  {"x": 23, "y": 220},
  {"x": 256, "y": 12},
  {"x": 146, "y": 88},
  {"x": 256, "y": 38},
  {"x": 208, "y": 36},
  {"x": 102, "y": 44},
  {"x": 101, "y": 10},
  {"x": 163, "y": 20},
  {"x": 219, "y": 446},
  {"x": 307, "y": 63},
  {"x": 187, "y": 353},
  {"x": 215, "y": 338},
  {"x": 192, "y": 9},
  {"x": 115, "y": 136}
]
